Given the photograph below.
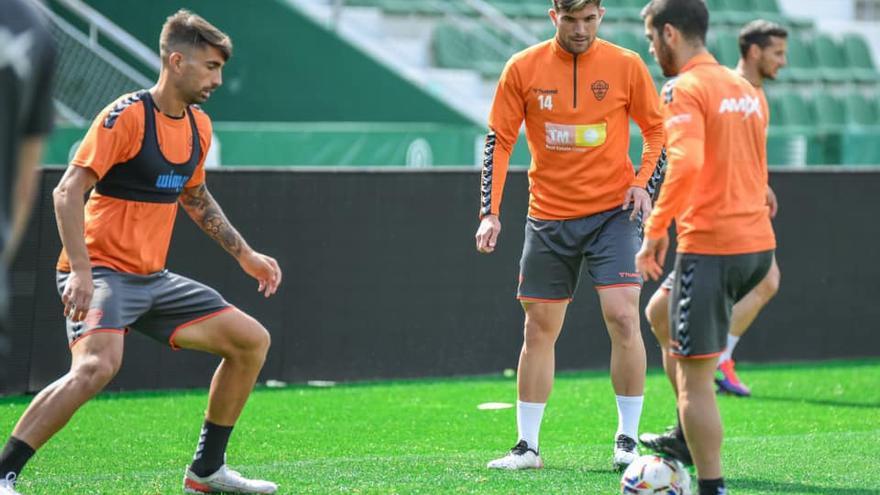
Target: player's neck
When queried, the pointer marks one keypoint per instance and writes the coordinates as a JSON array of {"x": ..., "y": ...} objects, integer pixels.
[
  {"x": 750, "y": 73},
  {"x": 167, "y": 100},
  {"x": 688, "y": 52}
]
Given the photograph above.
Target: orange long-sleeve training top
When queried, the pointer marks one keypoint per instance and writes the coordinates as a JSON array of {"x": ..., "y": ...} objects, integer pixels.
[
  {"x": 576, "y": 110},
  {"x": 716, "y": 179}
]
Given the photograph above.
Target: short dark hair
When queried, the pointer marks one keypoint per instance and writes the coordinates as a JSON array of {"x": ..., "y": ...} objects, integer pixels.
[
  {"x": 691, "y": 17},
  {"x": 183, "y": 28},
  {"x": 759, "y": 32},
  {"x": 573, "y": 5}
]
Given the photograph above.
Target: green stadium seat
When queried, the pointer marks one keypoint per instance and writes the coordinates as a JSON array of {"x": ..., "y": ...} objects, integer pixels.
[
  {"x": 628, "y": 38},
  {"x": 830, "y": 59},
  {"x": 733, "y": 12},
  {"x": 801, "y": 64},
  {"x": 861, "y": 112},
  {"x": 725, "y": 47},
  {"x": 830, "y": 112},
  {"x": 536, "y": 9},
  {"x": 510, "y": 8},
  {"x": 449, "y": 47},
  {"x": 858, "y": 54}
]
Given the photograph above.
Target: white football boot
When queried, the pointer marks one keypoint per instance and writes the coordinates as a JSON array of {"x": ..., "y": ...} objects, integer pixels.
[
  {"x": 625, "y": 452},
  {"x": 7, "y": 485},
  {"x": 225, "y": 480},
  {"x": 519, "y": 457}
]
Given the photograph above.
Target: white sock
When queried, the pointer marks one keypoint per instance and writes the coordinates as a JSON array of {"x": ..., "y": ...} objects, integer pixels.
[
  {"x": 629, "y": 412},
  {"x": 528, "y": 421},
  {"x": 732, "y": 340}
]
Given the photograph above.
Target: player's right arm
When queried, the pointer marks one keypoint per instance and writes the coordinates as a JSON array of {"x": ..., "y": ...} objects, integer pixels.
[
  {"x": 505, "y": 120},
  {"x": 114, "y": 137},
  {"x": 684, "y": 120},
  {"x": 69, "y": 202}
]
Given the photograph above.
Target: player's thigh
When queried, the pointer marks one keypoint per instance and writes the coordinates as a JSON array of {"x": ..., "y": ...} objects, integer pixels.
[
  {"x": 748, "y": 272},
  {"x": 550, "y": 263},
  {"x": 611, "y": 250},
  {"x": 700, "y": 306},
  {"x": 178, "y": 303},
  {"x": 544, "y": 319},
  {"x": 225, "y": 334},
  {"x": 118, "y": 300},
  {"x": 620, "y": 305},
  {"x": 98, "y": 355}
]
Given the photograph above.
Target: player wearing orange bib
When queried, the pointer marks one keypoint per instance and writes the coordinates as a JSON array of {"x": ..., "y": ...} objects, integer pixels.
[
  {"x": 576, "y": 94},
  {"x": 144, "y": 155},
  {"x": 716, "y": 190}
]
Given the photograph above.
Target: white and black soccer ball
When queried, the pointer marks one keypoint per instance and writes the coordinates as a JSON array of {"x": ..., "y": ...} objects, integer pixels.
[{"x": 654, "y": 475}]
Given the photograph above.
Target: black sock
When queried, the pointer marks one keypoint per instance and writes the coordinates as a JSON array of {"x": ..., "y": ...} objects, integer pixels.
[
  {"x": 712, "y": 487},
  {"x": 211, "y": 449},
  {"x": 15, "y": 455}
]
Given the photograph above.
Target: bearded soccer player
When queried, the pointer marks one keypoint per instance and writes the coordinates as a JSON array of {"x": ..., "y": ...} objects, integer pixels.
[
  {"x": 143, "y": 155},
  {"x": 763, "y": 49},
  {"x": 716, "y": 190},
  {"x": 576, "y": 94}
]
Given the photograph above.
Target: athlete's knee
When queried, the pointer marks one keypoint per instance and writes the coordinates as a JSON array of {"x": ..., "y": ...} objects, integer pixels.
[
  {"x": 93, "y": 373},
  {"x": 768, "y": 287},
  {"x": 251, "y": 341},
  {"x": 623, "y": 323},
  {"x": 657, "y": 310},
  {"x": 540, "y": 330}
]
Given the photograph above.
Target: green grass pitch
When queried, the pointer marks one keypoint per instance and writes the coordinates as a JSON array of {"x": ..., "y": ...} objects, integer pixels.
[{"x": 810, "y": 428}]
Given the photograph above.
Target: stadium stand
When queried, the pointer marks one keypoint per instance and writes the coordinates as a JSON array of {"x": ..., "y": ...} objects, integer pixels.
[{"x": 441, "y": 60}]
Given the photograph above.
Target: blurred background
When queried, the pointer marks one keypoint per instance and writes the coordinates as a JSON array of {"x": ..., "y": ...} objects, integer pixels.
[
  {"x": 410, "y": 82},
  {"x": 348, "y": 138}
]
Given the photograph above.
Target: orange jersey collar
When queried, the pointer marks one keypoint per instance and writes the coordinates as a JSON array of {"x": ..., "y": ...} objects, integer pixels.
[
  {"x": 564, "y": 54},
  {"x": 703, "y": 58}
]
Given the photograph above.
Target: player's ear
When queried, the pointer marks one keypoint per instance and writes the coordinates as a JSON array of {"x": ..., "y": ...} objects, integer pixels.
[
  {"x": 754, "y": 52},
  {"x": 668, "y": 33},
  {"x": 175, "y": 61}
]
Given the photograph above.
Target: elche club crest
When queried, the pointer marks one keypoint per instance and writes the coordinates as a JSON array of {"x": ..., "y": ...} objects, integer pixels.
[{"x": 600, "y": 89}]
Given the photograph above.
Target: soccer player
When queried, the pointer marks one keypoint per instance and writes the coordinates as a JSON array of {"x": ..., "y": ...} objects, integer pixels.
[
  {"x": 27, "y": 62},
  {"x": 716, "y": 190},
  {"x": 763, "y": 48},
  {"x": 143, "y": 154},
  {"x": 576, "y": 94}
]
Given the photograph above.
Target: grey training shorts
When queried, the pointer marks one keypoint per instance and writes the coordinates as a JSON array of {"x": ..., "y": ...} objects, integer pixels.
[
  {"x": 554, "y": 250},
  {"x": 156, "y": 305},
  {"x": 704, "y": 291}
]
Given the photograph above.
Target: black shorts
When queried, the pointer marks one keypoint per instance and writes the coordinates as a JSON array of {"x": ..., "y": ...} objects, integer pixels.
[
  {"x": 703, "y": 294},
  {"x": 156, "y": 305},
  {"x": 554, "y": 250}
]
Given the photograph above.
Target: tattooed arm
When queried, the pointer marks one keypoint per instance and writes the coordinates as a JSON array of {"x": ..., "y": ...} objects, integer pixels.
[{"x": 206, "y": 213}]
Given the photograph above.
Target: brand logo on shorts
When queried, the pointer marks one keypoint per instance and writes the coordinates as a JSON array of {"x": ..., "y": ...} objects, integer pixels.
[
  {"x": 93, "y": 318},
  {"x": 628, "y": 275},
  {"x": 600, "y": 89}
]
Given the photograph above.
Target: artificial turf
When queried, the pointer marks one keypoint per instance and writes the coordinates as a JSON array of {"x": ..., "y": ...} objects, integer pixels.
[{"x": 810, "y": 428}]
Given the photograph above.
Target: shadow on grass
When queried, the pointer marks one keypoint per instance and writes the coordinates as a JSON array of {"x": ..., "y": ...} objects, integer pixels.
[
  {"x": 816, "y": 402},
  {"x": 783, "y": 487}
]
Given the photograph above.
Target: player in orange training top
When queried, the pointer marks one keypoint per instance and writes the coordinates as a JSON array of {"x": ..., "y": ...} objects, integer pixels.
[
  {"x": 716, "y": 190},
  {"x": 576, "y": 94}
]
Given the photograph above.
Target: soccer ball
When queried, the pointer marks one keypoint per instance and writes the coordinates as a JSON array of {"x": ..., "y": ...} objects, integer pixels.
[{"x": 653, "y": 475}]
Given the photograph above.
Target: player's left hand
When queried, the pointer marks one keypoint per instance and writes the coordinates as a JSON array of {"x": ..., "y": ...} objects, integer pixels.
[
  {"x": 649, "y": 259},
  {"x": 771, "y": 202},
  {"x": 263, "y": 268},
  {"x": 640, "y": 200}
]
